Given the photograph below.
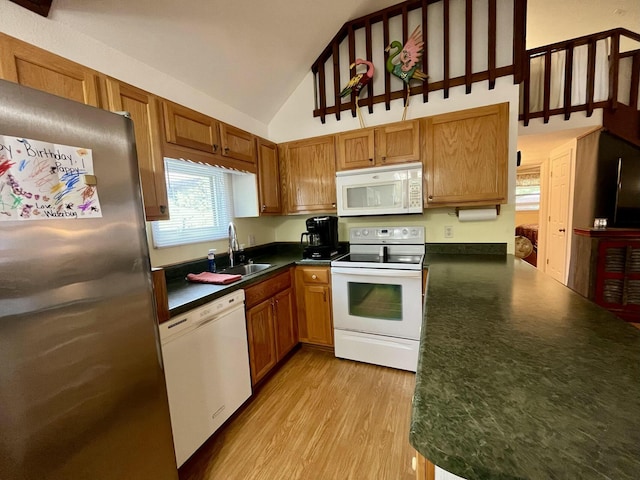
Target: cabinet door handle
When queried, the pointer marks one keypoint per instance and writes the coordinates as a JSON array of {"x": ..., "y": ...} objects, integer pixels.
[
  {"x": 215, "y": 148},
  {"x": 371, "y": 160},
  {"x": 314, "y": 276},
  {"x": 324, "y": 296},
  {"x": 430, "y": 197},
  {"x": 561, "y": 230},
  {"x": 163, "y": 209},
  {"x": 226, "y": 150},
  {"x": 333, "y": 205},
  {"x": 384, "y": 159},
  {"x": 264, "y": 207}
]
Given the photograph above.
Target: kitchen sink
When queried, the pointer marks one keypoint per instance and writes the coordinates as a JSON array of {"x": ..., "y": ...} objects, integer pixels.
[{"x": 246, "y": 269}]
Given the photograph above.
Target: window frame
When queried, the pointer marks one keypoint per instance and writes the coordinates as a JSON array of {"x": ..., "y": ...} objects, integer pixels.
[{"x": 200, "y": 200}]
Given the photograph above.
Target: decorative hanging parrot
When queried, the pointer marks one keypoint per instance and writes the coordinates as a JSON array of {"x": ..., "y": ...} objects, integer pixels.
[
  {"x": 357, "y": 82},
  {"x": 410, "y": 61}
]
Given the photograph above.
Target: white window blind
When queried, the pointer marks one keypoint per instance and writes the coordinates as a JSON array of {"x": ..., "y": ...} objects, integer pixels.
[
  {"x": 527, "y": 191},
  {"x": 200, "y": 204}
]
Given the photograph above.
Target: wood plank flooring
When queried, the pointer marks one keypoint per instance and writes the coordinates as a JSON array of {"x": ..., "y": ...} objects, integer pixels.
[{"x": 317, "y": 418}]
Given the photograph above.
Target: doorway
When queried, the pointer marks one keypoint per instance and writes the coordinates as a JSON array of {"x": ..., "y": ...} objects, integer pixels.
[
  {"x": 559, "y": 200},
  {"x": 527, "y": 217}
]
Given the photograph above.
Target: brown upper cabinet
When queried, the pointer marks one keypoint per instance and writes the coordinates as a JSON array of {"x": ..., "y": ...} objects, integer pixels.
[
  {"x": 384, "y": 145},
  {"x": 308, "y": 169},
  {"x": 144, "y": 109},
  {"x": 191, "y": 129},
  {"x": 466, "y": 157},
  {"x": 195, "y": 136},
  {"x": 30, "y": 66},
  {"x": 237, "y": 144},
  {"x": 268, "y": 178}
]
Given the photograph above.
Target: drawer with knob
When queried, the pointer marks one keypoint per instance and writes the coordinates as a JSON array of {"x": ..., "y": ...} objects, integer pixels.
[{"x": 316, "y": 275}]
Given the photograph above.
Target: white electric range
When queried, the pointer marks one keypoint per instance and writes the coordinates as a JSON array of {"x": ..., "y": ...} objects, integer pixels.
[{"x": 377, "y": 296}]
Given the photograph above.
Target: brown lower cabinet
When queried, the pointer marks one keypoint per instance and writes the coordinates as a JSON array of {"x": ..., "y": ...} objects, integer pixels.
[
  {"x": 425, "y": 470},
  {"x": 313, "y": 300},
  {"x": 271, "y": 325}
]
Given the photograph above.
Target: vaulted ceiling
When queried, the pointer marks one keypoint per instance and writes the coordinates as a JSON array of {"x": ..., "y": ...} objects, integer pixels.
[{"x": 252, "y": 54}]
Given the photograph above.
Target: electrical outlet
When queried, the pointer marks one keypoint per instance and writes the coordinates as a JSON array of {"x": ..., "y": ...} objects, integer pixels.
[
  {"x": 448, "y": 231},
  {"x": 252, "y": 240}
]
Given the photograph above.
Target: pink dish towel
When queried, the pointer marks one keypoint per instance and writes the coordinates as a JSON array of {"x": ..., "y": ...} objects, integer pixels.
[{"x": 217, "y": 278}]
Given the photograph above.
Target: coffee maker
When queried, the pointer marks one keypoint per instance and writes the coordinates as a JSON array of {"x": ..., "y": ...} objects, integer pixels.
[{"x": 322, "y": 238}]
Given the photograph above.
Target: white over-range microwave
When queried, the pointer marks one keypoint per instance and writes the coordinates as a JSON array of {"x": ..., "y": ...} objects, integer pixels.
[{"x": 388, "y": 190}]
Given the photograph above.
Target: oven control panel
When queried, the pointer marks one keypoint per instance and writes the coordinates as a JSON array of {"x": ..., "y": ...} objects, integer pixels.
[{"x": 381, "y": 235}]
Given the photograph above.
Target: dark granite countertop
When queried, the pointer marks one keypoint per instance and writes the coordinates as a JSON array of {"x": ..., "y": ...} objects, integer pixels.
[
  {"x": 520, "y": 377},
  {"x": 184, "y": 296}
]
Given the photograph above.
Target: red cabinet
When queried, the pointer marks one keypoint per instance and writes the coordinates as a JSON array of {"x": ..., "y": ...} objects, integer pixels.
[
  {"x": 605, "y": 267},
  {"x": 618, "y": 278}
]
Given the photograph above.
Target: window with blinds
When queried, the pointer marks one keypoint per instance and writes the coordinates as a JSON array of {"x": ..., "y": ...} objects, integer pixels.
[
  {"x": 528, "y": 191},
  {"x": 200, "y": 202}
]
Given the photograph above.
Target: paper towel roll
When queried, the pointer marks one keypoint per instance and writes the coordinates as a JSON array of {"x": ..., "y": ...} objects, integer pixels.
[{"x": 477, "y": 214}]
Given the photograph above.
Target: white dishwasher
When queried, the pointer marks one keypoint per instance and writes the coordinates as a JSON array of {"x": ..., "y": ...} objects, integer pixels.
[{"x": 206, "y": 365}]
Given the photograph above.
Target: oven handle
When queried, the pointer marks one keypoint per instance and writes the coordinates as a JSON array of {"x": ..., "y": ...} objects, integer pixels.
[{"x": 378, "y": 272}]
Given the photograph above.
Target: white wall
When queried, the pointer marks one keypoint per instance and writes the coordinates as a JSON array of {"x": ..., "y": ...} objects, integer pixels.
[
  {"x": 295, "y": 121},
  {"x": 550, "y": 21},
  {"x": 262, "y": 230},
  {"x": 500, "y": 230}
]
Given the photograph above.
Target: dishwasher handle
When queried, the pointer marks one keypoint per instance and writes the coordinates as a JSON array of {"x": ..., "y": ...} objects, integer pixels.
[{"x": 178, "y": 326}]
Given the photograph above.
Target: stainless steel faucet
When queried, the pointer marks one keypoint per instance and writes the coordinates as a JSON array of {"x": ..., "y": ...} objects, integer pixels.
[{"x": 233, "y": 244}]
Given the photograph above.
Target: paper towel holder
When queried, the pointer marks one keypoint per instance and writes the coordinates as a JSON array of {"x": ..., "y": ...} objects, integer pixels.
[{"x": 471, "y": 208}]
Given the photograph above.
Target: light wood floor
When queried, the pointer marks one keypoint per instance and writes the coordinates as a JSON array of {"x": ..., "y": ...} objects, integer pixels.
[{"x": 318, "y": 418}]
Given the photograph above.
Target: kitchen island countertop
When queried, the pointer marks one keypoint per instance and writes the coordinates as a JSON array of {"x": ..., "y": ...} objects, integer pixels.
[{"x": 520, "y": 377}]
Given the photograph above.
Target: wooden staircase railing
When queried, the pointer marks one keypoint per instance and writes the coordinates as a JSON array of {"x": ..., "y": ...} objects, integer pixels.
[
  {"x": 461, "y": 48},
  {"x": 366, "y": 38},
  {"x": 624, "y": 120},
  {"x": 564, "y": 56}
]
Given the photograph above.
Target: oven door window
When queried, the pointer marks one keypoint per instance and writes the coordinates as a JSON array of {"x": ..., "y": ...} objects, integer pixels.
[
  {"x": 378, "y": 301},
  {"x": 375, "y": 300}
]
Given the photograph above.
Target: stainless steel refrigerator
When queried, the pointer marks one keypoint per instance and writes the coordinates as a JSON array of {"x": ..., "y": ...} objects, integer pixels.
[{"x": 82, "y": 389}]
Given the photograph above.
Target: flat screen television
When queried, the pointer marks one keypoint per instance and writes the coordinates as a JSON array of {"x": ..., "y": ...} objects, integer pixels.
[
  {"x": 627, "y": 212},
  {"x": 617, "y": 188}
]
